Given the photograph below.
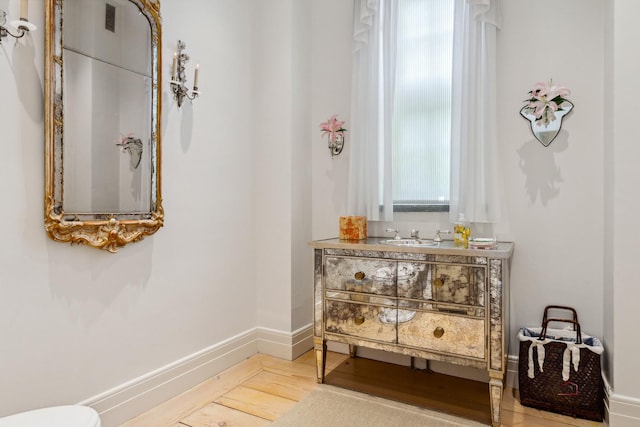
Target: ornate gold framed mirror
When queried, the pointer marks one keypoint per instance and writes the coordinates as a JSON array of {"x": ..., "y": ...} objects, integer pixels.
[{"x": 102, "y": 121}]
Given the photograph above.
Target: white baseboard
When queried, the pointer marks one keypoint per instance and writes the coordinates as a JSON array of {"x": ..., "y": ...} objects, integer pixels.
[
  {"x": 511, "y": 380},
  {"x": 285, "y": 345},
  {"x": 137, "y": 396},
  {"x": 620, "y": 411}
]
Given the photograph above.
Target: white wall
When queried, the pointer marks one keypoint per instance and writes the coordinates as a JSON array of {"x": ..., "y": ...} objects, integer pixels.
[
  {"x": 301, "y": 259},
  {"x": 272, "y": 156},
  {"x": 75, "y": 321},
  {"x": 623, "y": 148},
  {"x": 554, "y": 195},
  {"x": 608, "y": 162},
  {"x": 330, "y": 94},
  {"x": 281, "y": 157}
]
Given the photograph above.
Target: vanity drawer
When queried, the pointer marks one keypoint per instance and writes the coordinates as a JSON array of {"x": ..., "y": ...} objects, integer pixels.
[
  {"x": 360, "y": 320},
  {"x": 445, "y": 333},
  {"x": 448, "y": 283},
  {"x": 361, "y": 275}
]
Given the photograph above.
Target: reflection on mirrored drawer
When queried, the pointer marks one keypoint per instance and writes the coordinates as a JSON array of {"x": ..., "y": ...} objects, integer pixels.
[
  {"x": 450, "y": 283},
  {"x": 361, "y": 275},
  {"x": 358, "y": 320},
  {"x": 445, "y": 333}
]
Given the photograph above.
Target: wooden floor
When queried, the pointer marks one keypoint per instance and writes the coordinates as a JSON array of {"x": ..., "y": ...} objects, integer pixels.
[{"x": 262, "y": 388}]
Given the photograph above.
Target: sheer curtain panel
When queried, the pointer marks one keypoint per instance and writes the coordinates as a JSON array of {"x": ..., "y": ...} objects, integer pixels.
[
  {"x": 475, "y": 190},
  {"x": 372, "y": 94}
]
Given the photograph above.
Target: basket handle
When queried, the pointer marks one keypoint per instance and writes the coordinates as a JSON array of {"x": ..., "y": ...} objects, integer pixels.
[
  {"x": 545, "y": 316},
  {"x": 576, "y": 327}
]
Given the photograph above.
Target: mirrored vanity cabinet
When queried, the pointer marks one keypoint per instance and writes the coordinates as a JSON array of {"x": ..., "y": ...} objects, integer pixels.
[{"x": 439, "y": 303}]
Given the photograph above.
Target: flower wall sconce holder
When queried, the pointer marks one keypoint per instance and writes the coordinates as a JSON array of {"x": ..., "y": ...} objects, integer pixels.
[
  {"x": 333, "y": 129},
  {"x": 22, "y": 25},
  {"x": 546, "y": 107},
  {"x": 336, "y": 146},
  {"x": 179, "y": 79}
]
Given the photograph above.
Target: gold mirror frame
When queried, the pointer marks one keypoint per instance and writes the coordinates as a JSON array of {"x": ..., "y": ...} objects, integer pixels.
[{"x": 103, "y": 230}]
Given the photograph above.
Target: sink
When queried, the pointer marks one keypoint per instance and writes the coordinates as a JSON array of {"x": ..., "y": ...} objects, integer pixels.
[{"x": 412, "y": 243}]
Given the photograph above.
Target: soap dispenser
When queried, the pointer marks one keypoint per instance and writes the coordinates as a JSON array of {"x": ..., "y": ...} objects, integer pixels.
[{"x": 461, "y": 232}]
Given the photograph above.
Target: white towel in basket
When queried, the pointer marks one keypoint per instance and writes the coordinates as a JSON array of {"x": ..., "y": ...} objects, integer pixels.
[{"x": 571, "y": 354}]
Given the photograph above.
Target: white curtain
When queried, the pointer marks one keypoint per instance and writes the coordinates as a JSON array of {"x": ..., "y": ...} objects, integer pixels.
[
  {"x": 475, "y": 183},
  {"x": 373, "y": 79}
]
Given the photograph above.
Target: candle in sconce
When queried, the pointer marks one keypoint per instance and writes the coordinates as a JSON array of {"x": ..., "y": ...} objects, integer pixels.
[
  {"x": 174, "y": 71},
  {"x": 195, "y": 77},
  {"x": 24, "y": 8}
]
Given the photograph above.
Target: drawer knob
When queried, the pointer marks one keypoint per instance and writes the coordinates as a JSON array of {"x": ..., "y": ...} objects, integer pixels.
[
  {"x": 359, "y": 275},
  {"x": 438, "y": 283},
  {"x": 438, "y": 332},
  {"x": 359, "y": 320}
]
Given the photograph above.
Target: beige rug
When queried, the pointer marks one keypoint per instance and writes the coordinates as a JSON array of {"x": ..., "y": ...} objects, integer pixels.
[{"x": 332, "y": 406}]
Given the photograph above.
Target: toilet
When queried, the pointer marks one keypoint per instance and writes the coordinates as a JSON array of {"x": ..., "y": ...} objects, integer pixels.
[{"x": 56, "y": 416}]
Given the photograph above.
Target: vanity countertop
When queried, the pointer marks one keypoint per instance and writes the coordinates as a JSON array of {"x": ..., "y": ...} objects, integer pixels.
[{"x": 446, "y": 247}]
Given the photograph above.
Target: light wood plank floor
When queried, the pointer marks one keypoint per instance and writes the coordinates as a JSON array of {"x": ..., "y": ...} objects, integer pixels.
[{"x": 262, "y": 388}]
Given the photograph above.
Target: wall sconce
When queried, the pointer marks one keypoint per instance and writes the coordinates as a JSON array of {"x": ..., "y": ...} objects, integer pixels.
[
  {"x": 22, "y": 25},
  {"x": 546, "y": 106},
  {"x": 333, "y": 129},
  {"x": 178, "y": 78}
]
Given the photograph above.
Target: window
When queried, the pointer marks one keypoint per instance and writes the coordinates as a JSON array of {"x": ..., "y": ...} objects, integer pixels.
[
  {"x": 424, "y": 109},
  {"x": 422, "y": 105}
]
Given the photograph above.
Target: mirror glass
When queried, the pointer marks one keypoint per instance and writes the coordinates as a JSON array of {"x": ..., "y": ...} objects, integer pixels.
[
  {"x": 546, "y": 129},
  {"x": 103, "y": 109}
]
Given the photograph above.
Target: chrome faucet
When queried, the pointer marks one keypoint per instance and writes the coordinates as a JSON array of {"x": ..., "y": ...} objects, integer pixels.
[
  {"x": 438, "y": 235},
  {"x": 393, "y": 230},
  {"x": 415, "y": 234}
]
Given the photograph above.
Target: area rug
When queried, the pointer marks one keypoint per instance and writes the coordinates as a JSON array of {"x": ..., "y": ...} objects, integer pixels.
[{"x": 333, "y": 406}]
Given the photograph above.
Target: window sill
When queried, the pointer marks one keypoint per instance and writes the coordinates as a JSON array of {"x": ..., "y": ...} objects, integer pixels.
[{"x": 407, "y": 207}]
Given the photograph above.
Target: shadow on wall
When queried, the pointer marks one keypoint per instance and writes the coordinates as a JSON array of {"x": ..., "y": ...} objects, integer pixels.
[
  {"x": 24, "y": 70},
  {"x": 186, "y": 119},
  {"x": 538, "y": 163},
  {"x": 27, "y": 79},
  {"x": 338, "y": 174},
  {"x": 186, "y": 126}
]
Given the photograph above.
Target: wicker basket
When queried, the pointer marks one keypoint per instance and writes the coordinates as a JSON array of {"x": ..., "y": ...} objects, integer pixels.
[{"x": 566, "y": 384}]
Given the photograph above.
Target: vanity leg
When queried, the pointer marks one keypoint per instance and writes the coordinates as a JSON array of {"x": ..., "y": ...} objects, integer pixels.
[
  {"x": 495, "y": 394},
  {"x": 320, "y": 347},
  {"x": 428, "y": 366},
  {"x": 352, "y": 350}
]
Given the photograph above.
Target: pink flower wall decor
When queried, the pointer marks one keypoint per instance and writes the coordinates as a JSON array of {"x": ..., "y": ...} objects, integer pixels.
[
  {"x": 545, "y": 108},
  {"x": 333, "y": 128}
]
